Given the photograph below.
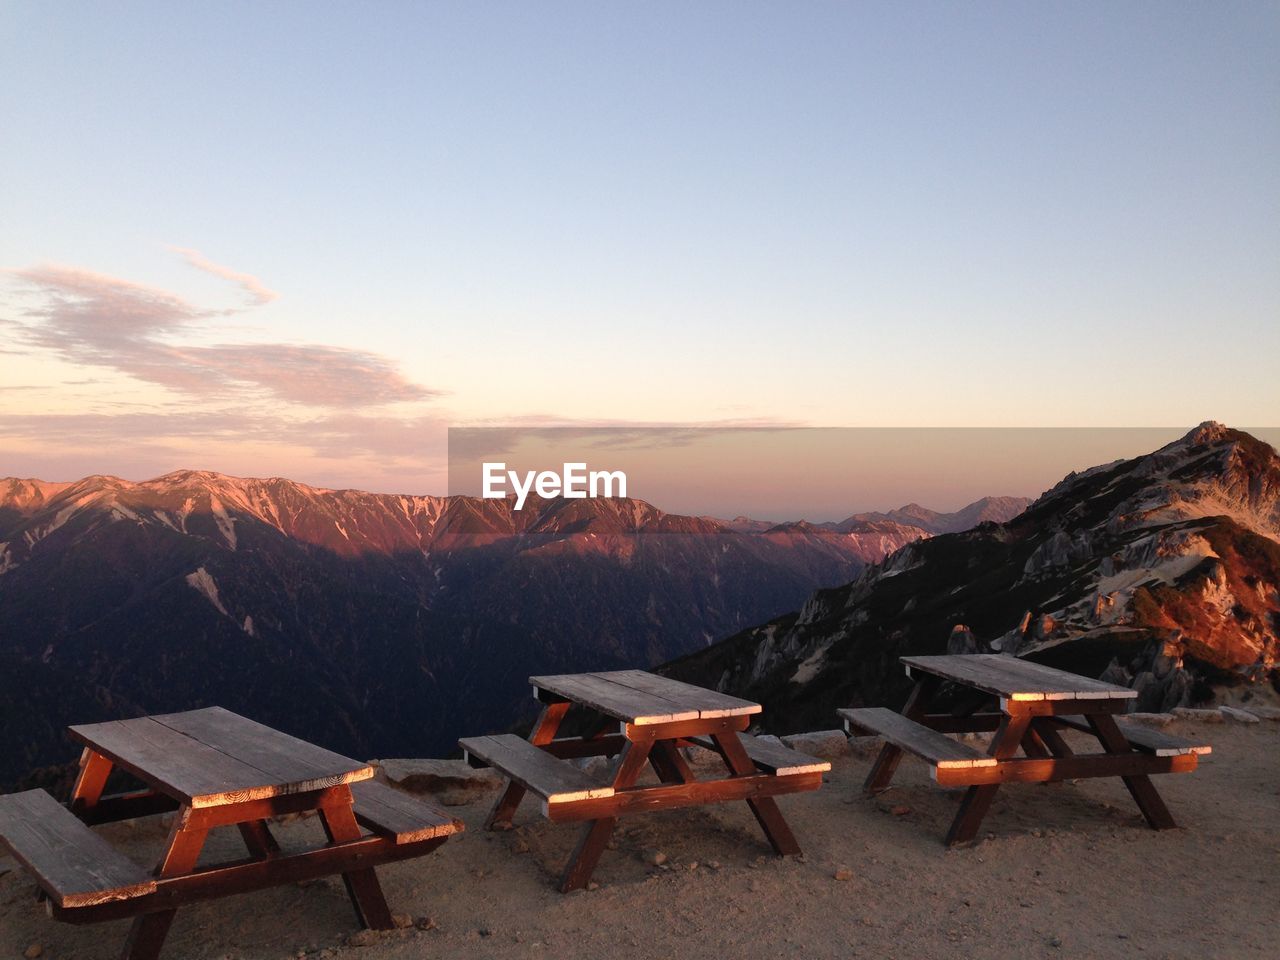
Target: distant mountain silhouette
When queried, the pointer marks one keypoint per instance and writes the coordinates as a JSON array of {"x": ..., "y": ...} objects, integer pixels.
[{"x": 994, "y": 509}]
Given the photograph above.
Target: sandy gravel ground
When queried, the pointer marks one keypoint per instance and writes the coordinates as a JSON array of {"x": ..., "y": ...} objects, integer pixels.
[{"x": 1064, "y": 871}]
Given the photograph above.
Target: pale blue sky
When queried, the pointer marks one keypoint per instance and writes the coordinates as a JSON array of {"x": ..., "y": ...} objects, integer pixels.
[{"x": 833, "y": 214}]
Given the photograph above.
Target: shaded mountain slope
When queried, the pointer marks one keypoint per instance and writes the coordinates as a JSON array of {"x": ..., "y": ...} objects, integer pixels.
[{"x": 376, "y": 624}]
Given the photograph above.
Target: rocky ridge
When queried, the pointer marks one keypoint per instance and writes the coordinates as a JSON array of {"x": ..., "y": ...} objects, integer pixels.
[{"x": 1162, "y": 572}]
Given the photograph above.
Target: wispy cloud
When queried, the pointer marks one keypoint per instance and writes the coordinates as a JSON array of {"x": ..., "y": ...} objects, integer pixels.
[
  {"x": 315, "y": 375},
  {"x": 389, "y": 454},
  {"x": 259, "y": 293},
  {"x": 478, "y": 439},
  {"x": 93, "y": 319}
]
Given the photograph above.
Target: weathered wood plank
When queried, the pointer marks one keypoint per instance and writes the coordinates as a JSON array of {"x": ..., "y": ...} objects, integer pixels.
[
  {"x": 907, "y": 734},
  {"x": 686, "y": 696},
  {"x": 683, "y": 729},
  {"x": 1016, "y": 679},
  {"x": 556, "y": 781},
  {"x": 295, "y": 764},
  {"x": 1061, "y": 684},
  {"x": 613, "y": 699},
  {"x": 639, "y": 698},
  {"x": 1079, "y": 766},
  {"x": 201, "y": 774},
  {"x": 773, "y": 757},
  {"x": 406, "y": 819},
  {"x": 1064, "y": 707},
  {"x": 670, "y": 796},
  {"x": 1144, "y": 738},
  {"x": 72, "y": 864},
  {"x": 246, "y": 876},
  {"x": 174, "y": 764}
]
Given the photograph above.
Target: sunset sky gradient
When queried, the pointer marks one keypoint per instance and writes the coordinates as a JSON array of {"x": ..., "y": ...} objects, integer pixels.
[{"x": 305, "y": 240}]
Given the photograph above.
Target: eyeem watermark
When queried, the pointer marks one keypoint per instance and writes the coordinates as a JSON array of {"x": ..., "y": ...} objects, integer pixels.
[{"x": 574, "y": 482}]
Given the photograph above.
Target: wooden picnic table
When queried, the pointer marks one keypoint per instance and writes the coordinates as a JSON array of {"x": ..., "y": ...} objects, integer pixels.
[
  {"x": 1035, "y": 704},
  {"x": 640, "y": 719},
  {"x": 214, "y": 768}
]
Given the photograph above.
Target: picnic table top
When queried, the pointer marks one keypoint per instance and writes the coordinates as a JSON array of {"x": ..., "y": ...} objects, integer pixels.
[
  {"x": 213, "y": 757},
  {"x": 1016, "y": 679},
  {"x": 638, "y": 698}
]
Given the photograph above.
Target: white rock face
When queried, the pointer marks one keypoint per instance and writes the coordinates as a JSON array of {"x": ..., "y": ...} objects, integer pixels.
[
  {"x": 1238, "y": 716},
  {"x": 436, "y": 776},
  {"x": 203, "y": 583},
  {"x": 1196, "y": 713},
  {"x": 823, "y": 744}
]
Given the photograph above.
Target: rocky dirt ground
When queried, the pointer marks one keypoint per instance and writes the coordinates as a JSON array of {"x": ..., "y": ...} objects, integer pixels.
[{"x": 1064, "y": 871}]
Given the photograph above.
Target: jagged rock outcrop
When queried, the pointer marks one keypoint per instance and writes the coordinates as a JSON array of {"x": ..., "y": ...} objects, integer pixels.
[{"x": 1163, "y": 570}]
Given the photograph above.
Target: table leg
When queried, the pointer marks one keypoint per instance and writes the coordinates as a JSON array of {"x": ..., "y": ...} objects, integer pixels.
[
  {"x": 977, "y": 800},
  {"x": 669, "y": 764},
  {"x": 1140, "y": 787},
  {"x": 886, "y": 764},
  {"x": 148, "y": 932},
  {"x": 362, "y": 885},
  {"x": 601, "y": 726},
  {"x": 90, "y": 781},
  {"x": 585, "y": 856},
  {"x": 1033, "y": 745},
  {"x": 1053, "y": 740},
  {"x": 765, "y": 809},
  {"x": 258, "y": 839},
  {"x": 544, "y": 731}
]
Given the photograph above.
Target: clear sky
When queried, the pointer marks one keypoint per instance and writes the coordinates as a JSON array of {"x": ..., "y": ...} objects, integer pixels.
[{"x": 303, "y": 239}]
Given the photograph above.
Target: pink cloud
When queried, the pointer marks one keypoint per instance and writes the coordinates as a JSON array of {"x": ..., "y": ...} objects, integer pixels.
[
  {"x": 312, "y": 374},
  {"x": 93, "y": 319},
  {"x": 259, "y": 293},
  {"x": 401, "y": 455},
  {"x": 93, "y": 306}
]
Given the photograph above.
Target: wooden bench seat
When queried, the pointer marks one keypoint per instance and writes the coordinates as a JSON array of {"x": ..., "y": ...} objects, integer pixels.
[
  {"x": 937, "y": 748},
  {"x": 1155, "y": 742},
  {"x": 772, "y": 757},
  {"x": 70, "y": 862},
  {"x": 552, "y": 779},
  {"x": 395, "y": 814}
]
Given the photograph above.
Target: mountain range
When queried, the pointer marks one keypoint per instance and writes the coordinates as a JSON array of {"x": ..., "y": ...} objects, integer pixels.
[
  {"x": 1161, "y": 572},
  {"x": 375, "y": 624}
]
